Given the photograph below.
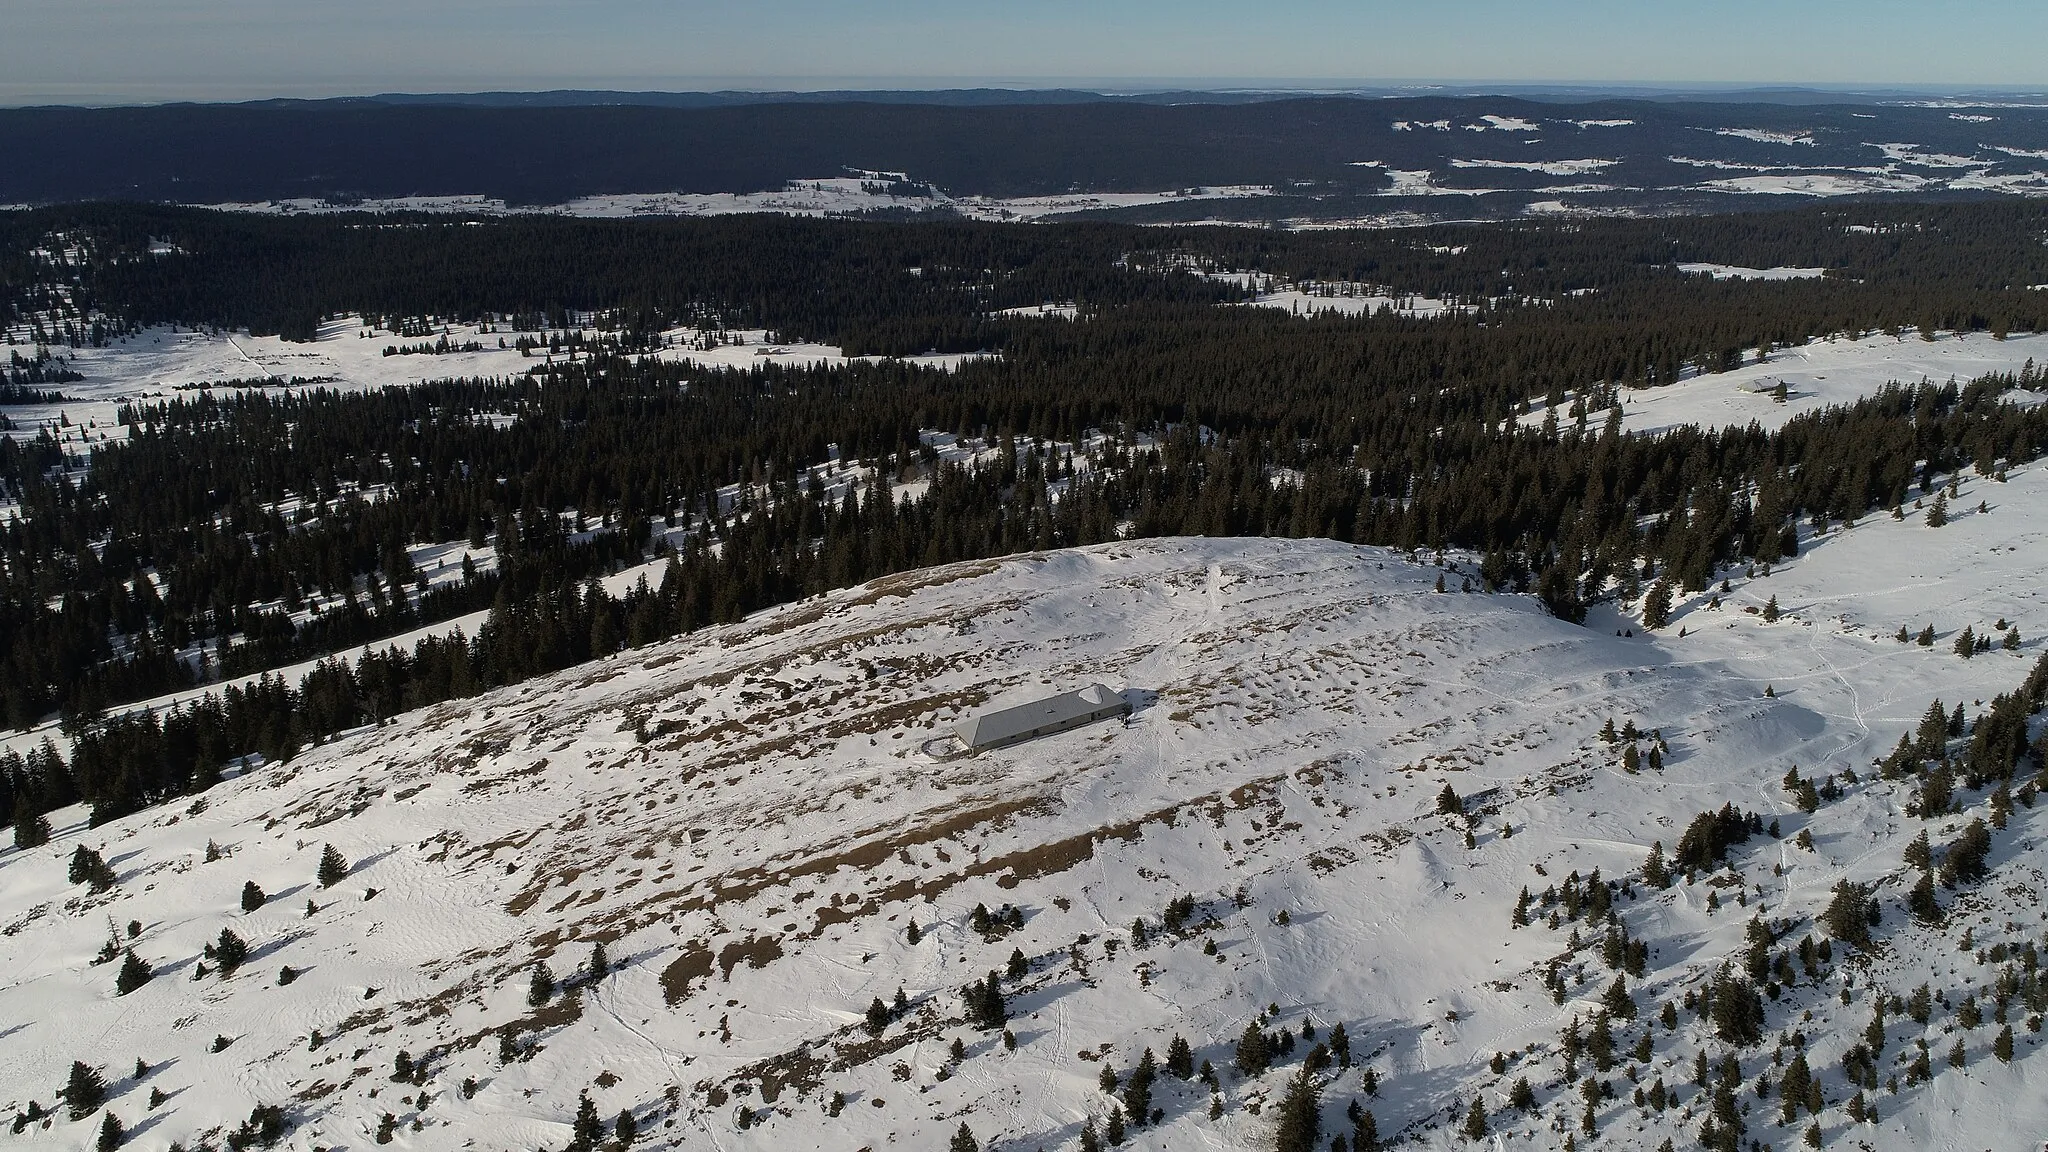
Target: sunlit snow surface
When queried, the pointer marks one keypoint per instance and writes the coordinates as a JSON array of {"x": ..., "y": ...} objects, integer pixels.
[
  {"x": 752, "y": 865},
  {"x": 1816, "y": 375},
  {"x": 825, "y": 197},
  {"x": 159, "y": 364}
]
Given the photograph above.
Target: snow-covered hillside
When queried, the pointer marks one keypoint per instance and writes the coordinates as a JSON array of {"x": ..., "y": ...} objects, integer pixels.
[
  {"x": 752, "y": 819},
  {"x": 833, "y": 196},
  {"x": 1816, "y": 375},
  {"x": 160, "y": 363}
]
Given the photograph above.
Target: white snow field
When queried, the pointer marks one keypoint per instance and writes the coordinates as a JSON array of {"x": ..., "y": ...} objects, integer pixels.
[
  {"x": 1816, "y": 375},
  {"x": 830, "y": 196},
  {"x": 751, "y": 817},
  {"x": 1733, "y": 272},
  {"x": 1344, "y": 298},
  {"x": 159, "y": 363}
]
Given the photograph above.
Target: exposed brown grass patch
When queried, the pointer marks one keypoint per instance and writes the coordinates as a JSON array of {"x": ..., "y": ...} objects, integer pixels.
[
  {"x": 692, "y": 963},
  {"x": 757, "y": 951}
]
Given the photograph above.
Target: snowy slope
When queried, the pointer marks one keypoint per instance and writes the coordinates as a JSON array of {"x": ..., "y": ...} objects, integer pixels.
[
  {"x": 833, "y": 196},
  {"x": 160, "y": 363},
  {"x": 751, "y": 817},
  {"x": 1816, "y": 374}
]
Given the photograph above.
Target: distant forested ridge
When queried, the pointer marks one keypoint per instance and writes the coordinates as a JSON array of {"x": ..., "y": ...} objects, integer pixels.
[
  {"x": 219, "y": 514},
  {"x": 1336, "y": 149},
  {"x": 888, "y": 289}
]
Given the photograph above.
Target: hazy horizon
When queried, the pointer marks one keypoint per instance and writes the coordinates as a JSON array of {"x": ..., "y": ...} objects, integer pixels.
[
  {"x": 1111, "y": 86},
  {"x": 104, "y": 51}
]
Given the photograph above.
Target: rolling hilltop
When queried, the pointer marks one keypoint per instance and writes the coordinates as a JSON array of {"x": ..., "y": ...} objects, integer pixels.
[{"x": 1344, "y": 768}]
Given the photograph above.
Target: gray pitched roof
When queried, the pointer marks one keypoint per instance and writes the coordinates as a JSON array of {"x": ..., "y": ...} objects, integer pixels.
[{"x": 999, "y": 726}]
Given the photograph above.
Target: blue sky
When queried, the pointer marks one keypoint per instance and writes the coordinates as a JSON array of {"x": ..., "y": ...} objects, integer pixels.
[{"x": 239, "y": 49}]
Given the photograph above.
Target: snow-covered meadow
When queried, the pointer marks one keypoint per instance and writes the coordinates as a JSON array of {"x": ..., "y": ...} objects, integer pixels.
[
  {"x": 1817, "y": 374},
  {"x": 160, "y": 363},
  {"x": 751, "y": 818}
]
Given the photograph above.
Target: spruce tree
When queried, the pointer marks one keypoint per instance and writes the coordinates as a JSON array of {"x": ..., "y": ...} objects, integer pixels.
[
  {"x": 1738, "y": 1011},
  {"x": 1365, "y": 1132},
  {"x": 588, "y": 1129},
  {"x": 964, "y": 1141},
  {"x": 252, "y": 897},
  {"x": 1475, "y": 1127},
  {"x": 1657, "y": 605},
  {"x": 333, "y": 867},
  {"x": 1113, "y": 1130},
  {"x": 83, "y": 860},
  {"x": 1180, "y": 1058},
  {"x": 31, "y": 828},
  {"x": 1618, "y": 1002},
  {"x": 1921, "y": 901},
  {"x": 229, "y": 952},
  {"x": 600, "y": 965},
  {"x": 1967, "y": 860},
  {"x": 84, "y": 1090},
  {"x": 984, "y": 1004},
  {"x": 1254, "y": 1054},
  {"x": 1847, "y": 917},
  {"x": 1919, "y": 853},
  {"x": 877, "y": 1016},
  {"x": 1301, "y": 1115},
  {"x": 1138, "y": 1089},
  {"x": 1655, "y": 872},
  {"x": 111, "y": 1134},
  {"x": 134, "y": 974},
  {"x": 541, "y": 988}
]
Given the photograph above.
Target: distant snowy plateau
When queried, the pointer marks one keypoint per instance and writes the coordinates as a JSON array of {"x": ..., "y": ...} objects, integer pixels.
[
  {"x": 1493, "y": 166},
  {"x": 1302, "y": 159},
  {"x": 752, "y": 819}
]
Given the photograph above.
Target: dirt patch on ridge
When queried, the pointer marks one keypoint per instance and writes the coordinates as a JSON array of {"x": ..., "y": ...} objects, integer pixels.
[{"x": 692, "y": 963}]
